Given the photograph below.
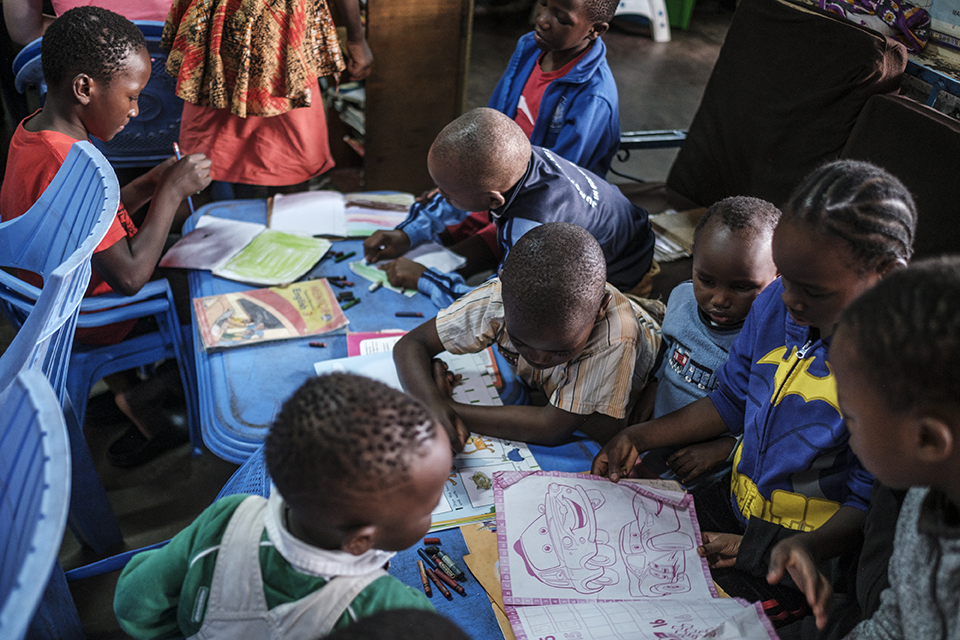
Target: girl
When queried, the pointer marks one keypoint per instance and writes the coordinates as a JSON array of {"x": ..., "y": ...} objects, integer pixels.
[{"x": 846, "y": 225}]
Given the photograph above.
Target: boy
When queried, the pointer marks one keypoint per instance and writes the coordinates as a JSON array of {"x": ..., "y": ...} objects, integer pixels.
[
  {"x": 895, "y": 355},
  {"x": 559, "y": 88},
  {"x": 569, "y": 335},
  {"x": 96, "y": 63},
  {"x": 482, "y": 161},
  {"x": 732, "y": 264},
  {"x": 357, "y": 469}
]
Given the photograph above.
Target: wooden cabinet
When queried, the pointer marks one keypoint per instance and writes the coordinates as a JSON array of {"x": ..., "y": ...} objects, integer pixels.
[{"x": 421, "y": 53}]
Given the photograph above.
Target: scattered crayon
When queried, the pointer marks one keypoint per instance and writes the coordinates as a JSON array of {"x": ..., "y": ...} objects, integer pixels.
[
  {"x": 376, "y": 285},
  {"x": 338, "y": 284},
  {"x": 443, "y": 568},
  {"x": 347, "y": 283},
  {"x": 431, "y": 541},
  {"x": 437, "y": 581},
  {"x": 452, "y": 583},
  {"x": 350, "y": 303},
  {"x": 423, "y": 579},
  {"x": 408, "y": 314},
  {"x": 430, "y": 562},
  {"x": 318, "y": 345},
  {"x": 446, "y": 560},
  {"x": 344, "y": 296},
  {"x": 344, "y": 256}
]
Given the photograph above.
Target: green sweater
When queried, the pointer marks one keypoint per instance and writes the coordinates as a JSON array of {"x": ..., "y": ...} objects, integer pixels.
[{"x": 157, "y": 593}]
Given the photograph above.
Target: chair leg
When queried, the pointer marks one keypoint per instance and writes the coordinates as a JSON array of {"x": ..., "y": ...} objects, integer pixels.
[
  {"x": 57, "y": 616},
  {"x": 91, "y": 517}
]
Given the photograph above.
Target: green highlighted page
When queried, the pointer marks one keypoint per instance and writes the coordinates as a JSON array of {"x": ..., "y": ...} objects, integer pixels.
[{"x": 274, "y": 257}]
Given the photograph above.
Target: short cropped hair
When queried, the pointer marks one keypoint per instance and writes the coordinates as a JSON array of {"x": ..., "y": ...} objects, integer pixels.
[
  {"x": 88, "y": 40},
  {"x": 600, "y": 10},
  {"x": 861, "y": 204},
  {"x": 906, "y": 332},
  {"x": 344, "y": 428},
  {"x": 555, "y": 275},
  {"x": 487, "y": 142},
  {"x": 742, "y": 215}
]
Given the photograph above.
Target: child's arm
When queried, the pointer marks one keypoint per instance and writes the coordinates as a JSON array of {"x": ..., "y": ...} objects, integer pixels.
[
  {"x": 695, "y": 422},
  {"x": 25, "y": 20},
  {"x": 538, "y": 425},
  {"x": 360, "y": 57},
  {"x": 128, "y": 264},
  {"x": 413, "y": 356},
  {"x": 140, "y": 190}
]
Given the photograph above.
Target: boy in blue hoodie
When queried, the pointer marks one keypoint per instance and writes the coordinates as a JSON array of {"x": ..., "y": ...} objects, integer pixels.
[{"x": 559, "y": 88}]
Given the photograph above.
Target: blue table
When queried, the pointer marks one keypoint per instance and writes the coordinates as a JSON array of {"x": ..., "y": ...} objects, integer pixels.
[{"x": 241, "y": 390}]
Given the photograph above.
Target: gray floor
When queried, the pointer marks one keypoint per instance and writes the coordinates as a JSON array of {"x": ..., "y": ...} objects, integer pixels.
[{"x": 660, "y": 87}]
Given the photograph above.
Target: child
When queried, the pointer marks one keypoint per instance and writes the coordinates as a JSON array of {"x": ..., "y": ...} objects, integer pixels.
[
  {"x": 732, "y": 264},
  {"x": 357, "y": 469},
  {"x": 846, "y": 225},
  {"x": 895, "y": 355},
  {"x": 482, "y": 161},
  {"x": 559, "y": 88},
  {"x": 573, "y": 337},
  {"x": 96, "y": 64}
]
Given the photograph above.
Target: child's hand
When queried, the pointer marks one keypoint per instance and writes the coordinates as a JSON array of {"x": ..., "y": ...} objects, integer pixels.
[
  {"x": 360, "y": 59},
  {"x": 617, "y": 458},
  {"x": 689, "y": 462},
  {"x": 446, "y": 380},
  {"x": 403, "y": 273},
  {"x": 720, "y": 549},
  {"x": 187, "y": 176},
  {"x": 383, "y": 245},
  {"x": 428, "y": 195},
  {"x": 795, "y": 556}
]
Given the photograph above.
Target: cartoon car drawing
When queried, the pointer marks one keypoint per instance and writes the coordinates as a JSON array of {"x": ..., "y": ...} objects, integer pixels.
[
  {"x": 563, "y": 547},
  {"x": 653, "y": 549}
]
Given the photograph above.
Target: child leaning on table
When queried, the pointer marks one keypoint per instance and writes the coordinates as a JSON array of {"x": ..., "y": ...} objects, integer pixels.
[
  {"x": 895, "y": 358},
  {"x": 357, "y": 469},
  {"x": 583, "y": 344},
  {"x": 732, "y": 264}
]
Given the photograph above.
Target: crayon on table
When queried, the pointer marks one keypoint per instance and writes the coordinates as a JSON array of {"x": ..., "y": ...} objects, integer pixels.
[
  {"x": 344, "y": 256},
  {"x": 443, "y": 568},
  {"x": 427, "y": 559},
  {"x": 408, "y": 314},
  {"x": 431, "y": 541},
  {"x": 447, "y": 561},
  {"x": 423, "y": 579},
  {"x": 318, "y": 345},
  {"x": 376, "y": 285},
  {"x": 349, "y": 304},
  {"x": 439, "y": 583},
  {"x": 452, "y": 583}
]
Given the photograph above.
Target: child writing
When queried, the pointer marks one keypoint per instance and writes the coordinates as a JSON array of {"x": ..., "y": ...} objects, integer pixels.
[
  {"x": 482, "y": 161},
  {"x": 357, "y": 469},
  {"x": 581, "y": 342},
  {"x": 96, "y": 63},
  {"x": 895, "y": 355},
  {"x": 732, "y": 264},
  {"x": 559, "y": 88},
  {"x": 845, "y": 226}
]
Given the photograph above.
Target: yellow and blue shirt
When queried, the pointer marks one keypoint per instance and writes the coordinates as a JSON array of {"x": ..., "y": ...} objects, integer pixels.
[{"x": 794, "y": 466}]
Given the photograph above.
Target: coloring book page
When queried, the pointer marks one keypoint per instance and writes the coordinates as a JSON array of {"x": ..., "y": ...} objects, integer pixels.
[
  {"x": 641, "y": 620},
  {"x": 567, "y": 537}
]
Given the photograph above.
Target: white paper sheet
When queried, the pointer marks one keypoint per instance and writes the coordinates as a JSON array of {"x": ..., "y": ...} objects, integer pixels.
[
  {"x": 567, "y": 537},
  {"x": 309, "y": 213},
  {"x": 636, "y": 620},
  {"x": 211, "y": 244},
  {"x": 435, "y": 256}
]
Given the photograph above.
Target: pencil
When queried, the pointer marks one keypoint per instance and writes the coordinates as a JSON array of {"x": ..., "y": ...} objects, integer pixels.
[
  {"x": 439, "y": 583},
  {"x": 423, "y": 579},
  {"x": 176, "y": 152}
]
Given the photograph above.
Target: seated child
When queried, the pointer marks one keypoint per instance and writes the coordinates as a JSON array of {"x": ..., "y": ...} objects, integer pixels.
[
  {"x": 846, "y": 226},
  {"x": 357, "y": 469},
  {"x": 732, "y": 264},
  {"x": 895, "y": 355},
  {"x": 96, "y": 63},
  {"x": 482, "y": 161},
  {"x": 581, "y": 342}
]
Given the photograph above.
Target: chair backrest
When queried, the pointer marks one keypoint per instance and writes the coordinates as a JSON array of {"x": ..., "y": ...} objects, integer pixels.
[
  {"x": 252, "y": 477},
  {"x": 920, "y": 146},
  {"x": 146, "y": 140},
  {"x": 782, "y": 99},
  {"x": 34, "y": 496},
  {"x": 55, "y": 238}
]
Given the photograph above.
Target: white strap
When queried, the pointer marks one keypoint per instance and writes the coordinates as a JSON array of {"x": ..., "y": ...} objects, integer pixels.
[{"x": 314, "y": 616}]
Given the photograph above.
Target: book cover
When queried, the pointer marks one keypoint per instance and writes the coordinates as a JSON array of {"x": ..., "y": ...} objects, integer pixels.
[{"x": 262, "y": 315}]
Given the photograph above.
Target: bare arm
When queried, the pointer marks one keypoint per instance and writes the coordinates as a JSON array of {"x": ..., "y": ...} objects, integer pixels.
[
  {"x": 695, "y": 422},
  {"x": 361, "y": 58},
  {"x": 129, "y": 263},
  {"x": 538, "y": 425},
  {"x": 25, "y": 20}
]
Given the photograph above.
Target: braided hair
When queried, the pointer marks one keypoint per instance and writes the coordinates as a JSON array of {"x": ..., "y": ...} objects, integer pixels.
[
  {"x": 89, "y": 40},
  {"x": 861, "y": 204},
  {"x": 341, "y": 426},
  {"x": 906, "y": 332}
]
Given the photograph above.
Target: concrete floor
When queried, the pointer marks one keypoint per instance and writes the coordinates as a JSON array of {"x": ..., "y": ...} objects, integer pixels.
[{"x": 660, "y": 87}]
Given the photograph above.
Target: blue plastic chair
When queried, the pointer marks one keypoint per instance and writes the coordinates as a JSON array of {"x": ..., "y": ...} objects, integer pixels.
[
  {"x": 34, "y": 496},
  {"x": 55, "y": 238},
  {"x": 146, "y": 140}
]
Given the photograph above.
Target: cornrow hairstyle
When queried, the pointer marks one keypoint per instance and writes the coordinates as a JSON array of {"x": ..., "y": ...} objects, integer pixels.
[
  {"x": 340, "y": 428},
  {"x": 600, "y": 10},
  {"x": 906, "y": 331},
  {"x": 89, "y": 40},
  {"x": 741, "y": 214},
  {"x": 861, "y": 204},
  {"x": 555, "y": 275},
  {"x": 485, "y": 143}
]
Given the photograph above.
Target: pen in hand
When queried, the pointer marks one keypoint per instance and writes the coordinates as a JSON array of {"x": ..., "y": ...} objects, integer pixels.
[{"x": 176, "y": 152}]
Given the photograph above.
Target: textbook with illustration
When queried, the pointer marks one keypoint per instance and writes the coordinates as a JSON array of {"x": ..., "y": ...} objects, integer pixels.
[
  {"x": 246, "y": 252},
  {"x": 261, "y": 315},
  {"x": 468, "y": 493}
]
